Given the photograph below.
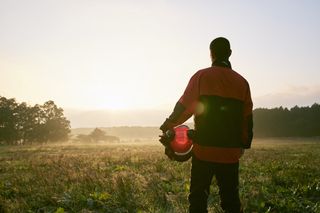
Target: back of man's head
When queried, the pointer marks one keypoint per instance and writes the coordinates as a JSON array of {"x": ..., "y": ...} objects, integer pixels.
[{"x": 220, "y": 48}]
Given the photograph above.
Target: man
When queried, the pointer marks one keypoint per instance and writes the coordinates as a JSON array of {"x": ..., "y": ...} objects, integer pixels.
[{"x": 220, "y": 100}]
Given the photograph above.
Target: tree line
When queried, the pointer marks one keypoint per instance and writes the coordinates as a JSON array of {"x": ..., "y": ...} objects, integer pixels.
[
  {"x": 284, "y": 122},
  {"x": 21, "y": 123}
]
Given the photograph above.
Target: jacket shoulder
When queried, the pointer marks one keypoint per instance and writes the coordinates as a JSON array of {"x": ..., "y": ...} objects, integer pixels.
[
  {"x": 240, "y": 77},
  {"x": 201, "y": 71}
]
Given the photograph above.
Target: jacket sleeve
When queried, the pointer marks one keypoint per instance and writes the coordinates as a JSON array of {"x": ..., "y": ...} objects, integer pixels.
[
  {"x": 185, "y": 106},
  {"x": 248, "y": 120}
]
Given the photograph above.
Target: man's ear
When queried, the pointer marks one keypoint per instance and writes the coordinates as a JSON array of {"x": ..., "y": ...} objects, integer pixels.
[
  {"x": 212, "y": 56},
  {"x": 230, "y": 52}
]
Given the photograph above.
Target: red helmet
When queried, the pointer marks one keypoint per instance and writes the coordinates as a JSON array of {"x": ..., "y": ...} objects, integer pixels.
[{"x": 181, "y": 142}]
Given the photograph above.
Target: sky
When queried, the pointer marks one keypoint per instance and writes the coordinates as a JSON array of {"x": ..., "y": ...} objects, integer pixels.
[{"x": 126, "y": 62}]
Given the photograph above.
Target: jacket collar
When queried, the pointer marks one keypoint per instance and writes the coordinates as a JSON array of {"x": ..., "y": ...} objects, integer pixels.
[{"x": 222, "y": 63}]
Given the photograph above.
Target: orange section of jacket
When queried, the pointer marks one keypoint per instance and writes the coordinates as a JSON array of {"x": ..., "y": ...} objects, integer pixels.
[
  {"x": 217, "y": 154},
  {"x": 223, "y": 82}
]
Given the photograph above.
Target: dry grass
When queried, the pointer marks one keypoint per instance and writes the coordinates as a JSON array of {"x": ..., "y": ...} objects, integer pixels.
[{"x": 276, "y": 176}]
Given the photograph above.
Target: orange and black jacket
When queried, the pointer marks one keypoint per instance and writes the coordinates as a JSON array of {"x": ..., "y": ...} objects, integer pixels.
[{"x": 220, "y": 100}]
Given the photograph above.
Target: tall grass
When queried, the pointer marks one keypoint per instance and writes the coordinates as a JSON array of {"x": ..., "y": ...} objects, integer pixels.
[{"x": 274, "y": 177}]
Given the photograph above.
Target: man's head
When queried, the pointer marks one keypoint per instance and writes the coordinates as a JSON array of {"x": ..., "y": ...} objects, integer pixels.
[{"x": 220, "y": 49}]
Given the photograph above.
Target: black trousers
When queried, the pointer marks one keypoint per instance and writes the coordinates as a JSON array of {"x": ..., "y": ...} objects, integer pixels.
[{"x": 227, "y": 176}]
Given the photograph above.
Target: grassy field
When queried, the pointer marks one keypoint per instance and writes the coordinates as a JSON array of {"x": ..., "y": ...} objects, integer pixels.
[{"x": 276, "y": 176}]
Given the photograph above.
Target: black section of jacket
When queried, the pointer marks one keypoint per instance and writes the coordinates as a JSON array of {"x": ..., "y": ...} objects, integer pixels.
[{"x": 219, "y": 122}]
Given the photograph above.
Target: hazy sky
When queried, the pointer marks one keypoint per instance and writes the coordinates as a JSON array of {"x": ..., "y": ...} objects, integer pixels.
[{"x": 124, "y": 54}]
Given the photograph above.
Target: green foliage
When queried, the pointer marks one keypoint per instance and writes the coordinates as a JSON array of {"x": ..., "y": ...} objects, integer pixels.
[
  {"x": 280, "y": 176},
  {"x": 60, "y": 210},
  {"x": 8, "y": 131},
  {"x": 20, "y": 123},
  {"x": 282, "y": 122}
]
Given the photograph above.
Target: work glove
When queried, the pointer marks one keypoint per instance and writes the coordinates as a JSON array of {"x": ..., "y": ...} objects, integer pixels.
[
  {"x": 164, "y": 140},
  {"x": 166, "y": 137}
]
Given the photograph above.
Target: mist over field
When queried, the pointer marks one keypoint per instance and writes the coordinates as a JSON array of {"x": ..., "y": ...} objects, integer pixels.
[
  {"x": 110, "y": 118},
  {"x": 132, "y": 133}
]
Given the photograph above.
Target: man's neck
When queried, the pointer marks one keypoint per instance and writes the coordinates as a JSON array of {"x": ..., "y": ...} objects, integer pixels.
[{"x": 222, "y": 63}]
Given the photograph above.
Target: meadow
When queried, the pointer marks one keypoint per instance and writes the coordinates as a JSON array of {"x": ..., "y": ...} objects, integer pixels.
[{"x": 275, "y": 176}]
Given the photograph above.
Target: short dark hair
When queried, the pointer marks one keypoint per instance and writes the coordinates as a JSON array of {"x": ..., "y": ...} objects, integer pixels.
[{"x": 220, "y": 47}]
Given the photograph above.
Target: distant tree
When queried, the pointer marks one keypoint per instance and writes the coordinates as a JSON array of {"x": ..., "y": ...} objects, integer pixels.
[
  {"x": 20, "y": 123},
  {"x": 83, "y": 138},
  {"x": 26, "y": 122},
  {"x": 97, "y": 135},
  {"x": 54, "y": 125},
  {"x": 8, "y": 132}
]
